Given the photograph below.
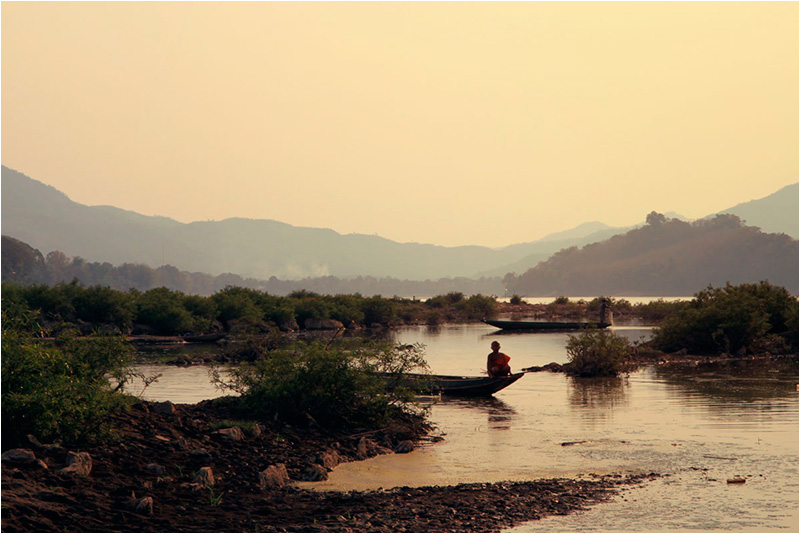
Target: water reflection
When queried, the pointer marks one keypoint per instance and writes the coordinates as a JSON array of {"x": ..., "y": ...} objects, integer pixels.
[
  {"x": 736, "y": 381},
  {"x": 596, "y": 398},
  {"x": 499, "y": 414}
]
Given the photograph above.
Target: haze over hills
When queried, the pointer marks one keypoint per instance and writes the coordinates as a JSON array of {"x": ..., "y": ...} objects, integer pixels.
[
  {"x": 776, "y": 213},
  {"x": 48, "y": 220}
]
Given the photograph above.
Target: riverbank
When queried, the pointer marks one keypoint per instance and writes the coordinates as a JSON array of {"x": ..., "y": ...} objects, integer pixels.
[{"x": 191, "y": 468}]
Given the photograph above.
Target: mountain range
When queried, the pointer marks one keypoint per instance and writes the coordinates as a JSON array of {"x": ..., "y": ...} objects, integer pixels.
[{"x": 48, "y": 220}]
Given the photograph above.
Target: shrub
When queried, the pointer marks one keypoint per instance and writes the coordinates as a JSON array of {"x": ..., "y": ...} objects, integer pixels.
[
  {"x": 333, "y": 385},
  {"x": 100, "y": 304},
  {"x": 379, "y": 310},
  {"x": 443, "y": 301},
  {"x": 163, "y": 309},
  {"x": 658, "y": 310},
  {"x": 750, "y": 317},
  {"x": 516, "y": 300},
  {"x": 598, "y": 353},
  {"x": 59, "y": 391},
  {"x": 477, "y": 307},
  {"x": 238, "y": 304}
]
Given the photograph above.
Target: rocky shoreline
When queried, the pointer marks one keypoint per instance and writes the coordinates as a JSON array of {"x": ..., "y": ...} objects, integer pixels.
[{"x": 193, "y": 468}]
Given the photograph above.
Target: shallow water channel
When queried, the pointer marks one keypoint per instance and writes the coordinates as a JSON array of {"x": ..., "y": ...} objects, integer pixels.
[{"x": 700, "y": 424}]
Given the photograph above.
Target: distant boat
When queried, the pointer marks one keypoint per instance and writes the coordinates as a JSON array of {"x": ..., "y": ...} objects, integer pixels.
[
  {"x": 465, "y": 386},
  {"x": 202, "y": 338},
  {"x": 606, "y": 319},
  {"x": 533, "y": 326}
]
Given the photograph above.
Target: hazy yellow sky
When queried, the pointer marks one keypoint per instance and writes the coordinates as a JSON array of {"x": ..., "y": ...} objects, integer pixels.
[{"x": 446, "y": 123}]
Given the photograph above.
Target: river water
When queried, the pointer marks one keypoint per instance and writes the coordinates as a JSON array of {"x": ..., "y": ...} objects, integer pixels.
[{"x": 699, "y": 424}]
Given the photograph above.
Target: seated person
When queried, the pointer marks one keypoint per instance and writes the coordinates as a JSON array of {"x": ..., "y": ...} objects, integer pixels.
[{"x": 497, "y": 362}]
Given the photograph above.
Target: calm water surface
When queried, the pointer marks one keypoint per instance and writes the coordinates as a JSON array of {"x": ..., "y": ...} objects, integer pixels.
[{"x": 701, "y": 425}]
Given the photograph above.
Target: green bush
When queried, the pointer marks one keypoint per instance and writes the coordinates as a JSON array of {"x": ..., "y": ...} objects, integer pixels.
[
  {"x": 477, "y": 307},
  {"x": 748, "y": 317},
  {"x": 658, "y": 310},
  {"x": 59, "y": 391},
  {"x": 379, "y": 310},
  {"x": 100, "y": 304},
  {"x": 334, "y": 385},
  {"x": 238, "y": 304},
  {"x": 444, "y": 301},
  {"x": 598, "y": 353},
  {"x": 163, "y": 309}
]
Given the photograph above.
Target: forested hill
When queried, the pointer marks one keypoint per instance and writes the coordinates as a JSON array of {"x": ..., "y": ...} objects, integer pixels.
[{"x": 666, "y": 257}]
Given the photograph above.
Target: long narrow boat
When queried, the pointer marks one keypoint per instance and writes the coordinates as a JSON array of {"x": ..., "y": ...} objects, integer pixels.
[
  {"x": 466, "y": 386},
  {"x": 534, "y": 326}
]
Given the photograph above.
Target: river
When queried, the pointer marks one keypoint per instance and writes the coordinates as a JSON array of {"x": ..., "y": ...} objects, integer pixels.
[{"x": 699, "y": 424}]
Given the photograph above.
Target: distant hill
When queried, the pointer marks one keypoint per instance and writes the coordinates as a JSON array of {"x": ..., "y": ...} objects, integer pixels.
[
  {"x": 48, "y": 220},
  {"x": 776, "y": 213},
  {"x": 666, "y": 257}
]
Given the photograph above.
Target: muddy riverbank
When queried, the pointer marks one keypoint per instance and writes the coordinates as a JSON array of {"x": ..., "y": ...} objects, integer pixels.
[{"x": 184, "y": 467}]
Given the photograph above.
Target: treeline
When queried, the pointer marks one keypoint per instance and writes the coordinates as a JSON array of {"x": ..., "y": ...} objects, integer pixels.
[
  {"x": 163, "y": 311},
  {"x": 23, "y": 264},
  {"x": 666, "y": 257}
]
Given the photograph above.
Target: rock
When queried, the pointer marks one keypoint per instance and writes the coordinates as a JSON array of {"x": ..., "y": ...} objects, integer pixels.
[
  {"x": 330, "y": 459},
  {"x": 19, "y": 456},
  {"x": 234, "y": 433},
  {"x": 323, "y": 324},
  {"x": 315, "y": 473},
  {"x": 108, "y": 329},
  {"x": 200, "y": 454},
  {"x": 141, "y": 406},
  {"x": 42, "y": 464},
  {"x": 736, "y": 480},
  {"x": 404, "y": 447},
  {"x": 155, "y": 469},
  {"x": 85, "y": 328},
  {"x": 165, "y": 407},
  {"x": 144, "y": 506},
  {"x": 205, "y": 477},
  {"x": 288, "y": 326},
  {"x": 78, "y": 463},
  {"x": 274, "y": 476},
  {"x": 193, "y": 486},
  {"x": 365, "y": 449}
]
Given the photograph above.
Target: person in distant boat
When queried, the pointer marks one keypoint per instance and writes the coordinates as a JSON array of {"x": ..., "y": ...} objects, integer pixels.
[{"x": 497, "y": 362}]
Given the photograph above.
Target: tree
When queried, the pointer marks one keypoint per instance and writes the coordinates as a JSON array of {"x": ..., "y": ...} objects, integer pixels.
[{"x": 655, "y": 219}]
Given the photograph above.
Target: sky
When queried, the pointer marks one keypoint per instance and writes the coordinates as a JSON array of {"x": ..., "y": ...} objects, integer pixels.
[{"x": 445, "y": 123}]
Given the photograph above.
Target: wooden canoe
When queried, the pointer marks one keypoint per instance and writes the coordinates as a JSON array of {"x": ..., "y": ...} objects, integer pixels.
[
  {"x": 551, "y": 326},
  {"x": 465, "y": 386}
]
